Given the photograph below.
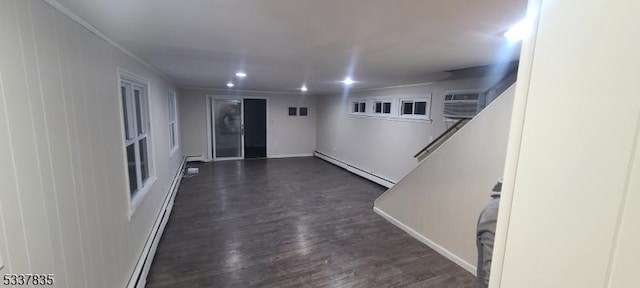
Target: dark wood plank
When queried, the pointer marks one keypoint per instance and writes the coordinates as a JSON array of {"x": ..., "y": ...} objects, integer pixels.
[{"x": 298, "y": 222}]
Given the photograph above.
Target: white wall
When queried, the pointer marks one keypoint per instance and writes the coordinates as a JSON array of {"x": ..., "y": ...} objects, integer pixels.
[
  {"x": 384, "y": 147},
  {"x": 286, "y": 135},
  {"x": 64, "y": 199},
  {"x": 439, "y": 202},
  {"x": 569, "y": 211}
]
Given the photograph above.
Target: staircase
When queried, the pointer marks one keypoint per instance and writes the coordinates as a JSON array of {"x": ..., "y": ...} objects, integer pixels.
[{"x": 438, "y": 202}]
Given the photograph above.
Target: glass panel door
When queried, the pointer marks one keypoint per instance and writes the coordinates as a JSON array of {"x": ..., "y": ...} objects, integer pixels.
[{"x": 227, "y": 123}]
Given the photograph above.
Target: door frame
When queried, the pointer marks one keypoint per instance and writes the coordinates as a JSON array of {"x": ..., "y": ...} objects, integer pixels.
[{"x": 210, "y": 123}]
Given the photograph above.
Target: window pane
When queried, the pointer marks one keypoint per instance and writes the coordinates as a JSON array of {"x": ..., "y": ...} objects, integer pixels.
[
  {"x": 363, "y": 107},
  {"x": 378, "y": 107},
  {"x": 386, "y": 108},
  {"x": 172, "y": 108},
  {"x": 356, "y": 107},
  {"x": 138, "y": 101},
  {"x": 172, "y": 134},
  {"x": 421, "y": 108},
  {"x": 123, "y": 92},
  {"x": 144, "y": 159},
  {"x": 131, "y": 164},
  {"x": 407, "y": 108}
]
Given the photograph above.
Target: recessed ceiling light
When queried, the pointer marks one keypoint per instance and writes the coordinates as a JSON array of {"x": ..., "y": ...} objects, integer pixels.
[
  {"x": 304, "y": 88},
  {"x": 230, "y": 85},
  {"x": 518, "y": 31},
  {"x": 241, "y": 74},
  {"x": 348, "y": 81}
]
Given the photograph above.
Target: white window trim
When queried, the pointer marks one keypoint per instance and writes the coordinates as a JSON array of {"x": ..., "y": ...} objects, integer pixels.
[
  {"x": 359, "y": 101},
  {"x": 141, "y": 195},
  {"x": 396, "y": 106},
  {"x": 427, "y": 115},
  {"x": 382, "y": 102},
  {"x": 173, "y": 104},
  {"x": 134, "y": 202}
]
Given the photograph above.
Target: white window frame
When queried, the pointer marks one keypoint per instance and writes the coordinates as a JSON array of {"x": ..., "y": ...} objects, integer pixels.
[
  {"x": 135, "y": 134},
  {"x": 382, "y": 102},
  {"x": 359, "y": 102},
  {"x": 173, "y": 123},
  {"x": 426, "y": 116},
  {"x": 395, "y": 114}
]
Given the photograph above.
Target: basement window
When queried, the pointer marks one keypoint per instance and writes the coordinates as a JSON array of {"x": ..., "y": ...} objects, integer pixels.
[
  {"x": 392, "y": 108},
  {"x": 382, "y": 107},
  {"x": 415, "y": 108},
  {"x": 359, "y": 107}
]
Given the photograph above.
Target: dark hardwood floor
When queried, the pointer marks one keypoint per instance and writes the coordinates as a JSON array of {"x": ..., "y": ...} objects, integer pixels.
[{"x": 298, "y": 222}]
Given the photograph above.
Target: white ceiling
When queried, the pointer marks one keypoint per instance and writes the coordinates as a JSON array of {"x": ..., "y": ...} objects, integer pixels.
[{"x": 281, "y": 44}]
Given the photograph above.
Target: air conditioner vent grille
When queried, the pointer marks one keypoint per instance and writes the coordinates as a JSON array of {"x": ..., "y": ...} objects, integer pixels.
[{"x": 461, "y": 105}]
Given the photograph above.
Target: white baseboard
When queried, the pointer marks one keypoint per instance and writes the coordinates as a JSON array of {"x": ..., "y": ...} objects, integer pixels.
[
  {"x": 444, "y": 252},
  {"x": 204, "y": 159},
  {"x": 197, "y": 159},
  {"x": 139, "y": 277},
  {"x": 289, "y": 156},
  {"x": 356, "y": 170}
]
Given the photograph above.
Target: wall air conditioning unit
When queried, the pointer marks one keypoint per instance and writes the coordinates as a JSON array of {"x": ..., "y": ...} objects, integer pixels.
[{"x": 462, "y": 104}]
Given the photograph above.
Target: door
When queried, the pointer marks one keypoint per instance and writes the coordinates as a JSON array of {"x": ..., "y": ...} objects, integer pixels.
[
  {"x": 255, "y": 128},
  {"x": 227, "y": 128}
]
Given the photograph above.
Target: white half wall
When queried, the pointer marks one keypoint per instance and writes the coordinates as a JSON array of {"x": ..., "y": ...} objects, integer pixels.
[
  {"x": 64, "y": 204},
  {"x": 287, "y": 136},
  {"x": 384, "y": 147},
  {"x": 439, "y": 202}
]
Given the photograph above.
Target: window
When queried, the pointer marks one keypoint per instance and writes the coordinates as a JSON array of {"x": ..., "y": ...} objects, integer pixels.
[
  {"x": 386, "y": 108},
  {"x": 173, "y": 123},
  {"x": 136, "y": 134},
  {"x": 416, "y": 108},
  {"x": 293, "y": 111},
  {"x": 303, "y": 111},
  {"x": 382, "y": 107},
  {"x": 359, "y": 107},
  {"x": 395, "y": 108}
]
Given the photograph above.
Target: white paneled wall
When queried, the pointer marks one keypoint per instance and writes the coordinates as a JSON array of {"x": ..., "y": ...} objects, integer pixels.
[
  {"x": 570, "y": 203},
  {"x": 381, "y": 146},
  {"x": 63, "y": 204},
  {"x": 286, "y": 135}
]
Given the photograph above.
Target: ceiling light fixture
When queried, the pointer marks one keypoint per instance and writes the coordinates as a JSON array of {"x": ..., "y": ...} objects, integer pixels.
[
  {"x": 230, "y": 85},
  {"x": 241, "y": 74},
  {"x": 348, "y": 81},
  {"x": 518, "y": 31},
  {"x": 304, "y": 88}
]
